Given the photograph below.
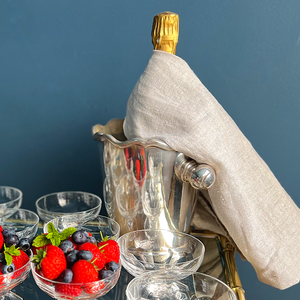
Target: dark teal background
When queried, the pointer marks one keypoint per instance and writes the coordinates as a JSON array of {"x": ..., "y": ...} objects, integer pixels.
[{"x": 66, "y": 65}]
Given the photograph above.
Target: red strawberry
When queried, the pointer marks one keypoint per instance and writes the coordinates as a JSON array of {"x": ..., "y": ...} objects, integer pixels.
[
  {"x": 1, "y": 229},
  {"x": 52, "y": 261},
  {"x": 110, "y": 249},
  {"x": 19, "y": 261},
  {"x": 84, "y": 271},
  {"x": 98, "y": 258},
  {"x": 94, "y": 287},
  {"x": 68, "y": 289},
  {"x": 1, "y": 239}
]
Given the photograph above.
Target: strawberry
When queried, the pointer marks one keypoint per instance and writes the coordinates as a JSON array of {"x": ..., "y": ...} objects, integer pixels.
[
  {"x": 19, "y": 261},
  {"x": 94, "y": 287},
  {"x": 51, "y": 261},
  {"x": 98, "y": 258},
  {"x": 84, "y": 271},
  {"x": 1, "y": 229},
  {"x": 68, "y": 289},
  {"x": 1, "y": 239},
  {"x": 110, "y": 249}
]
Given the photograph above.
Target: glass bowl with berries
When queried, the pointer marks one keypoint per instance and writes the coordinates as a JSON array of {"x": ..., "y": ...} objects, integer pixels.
[
  {"x": 10, "y": 201},
  {"x": 15, "y": 256},
  {"x": 81, "y": 206},
  {"x": 142, "y": 251},
  {"x": 24, "y": 223},
  {"x": 73, "y": 263}
]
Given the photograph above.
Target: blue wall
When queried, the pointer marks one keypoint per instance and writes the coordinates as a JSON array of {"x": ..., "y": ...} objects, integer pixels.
[{"x": 67, "y": 65}]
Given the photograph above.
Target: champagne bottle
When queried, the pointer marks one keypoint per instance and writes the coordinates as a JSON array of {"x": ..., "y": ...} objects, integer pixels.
[{"x": 165, "y": 31}]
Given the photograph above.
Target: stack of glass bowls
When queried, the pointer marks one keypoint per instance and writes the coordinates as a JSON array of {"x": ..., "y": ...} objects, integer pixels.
[{"x": 25, "y": 223}]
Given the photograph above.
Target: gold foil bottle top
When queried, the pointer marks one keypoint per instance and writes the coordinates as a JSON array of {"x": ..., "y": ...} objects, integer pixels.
[{"x": 165, "y": 30}]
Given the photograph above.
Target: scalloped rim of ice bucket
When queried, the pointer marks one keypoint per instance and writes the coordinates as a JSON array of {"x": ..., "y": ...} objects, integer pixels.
[{"x": 115, "y": 127}]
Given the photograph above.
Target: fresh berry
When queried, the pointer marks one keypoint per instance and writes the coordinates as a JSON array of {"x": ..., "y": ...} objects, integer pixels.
[
  {"x": 66, "y": 276},
  {"x": 79, "y": 237},
  {"x": 98, "y": 258},
  {"x": 71, "y": 240},
  {"x": 1, "y": 240},
  {"x": 71, "y": 257},
  {"x": 66, "y": 246},
  {"x": 110, "y": 249},
  {"x": 11, "y": 240},
  {"x": 84, "y": 271},
  {"x": 94, "y": 287},
  {"x": 105, "y": 273},
  {"x": 19, "y": 261},
  {"x": 92, "y": 240},
  {"x": 68, "y": 289},
  {"x": 24, "y": 244},
  {"x": 7, "y": 232},
  {"x": 112, "y": 265},
  {"x": 51, "y": 261},
  {"x": 5, "y": 269},
  {"x": 1, "y": 229},
  {"x": 85, "y": 254}
]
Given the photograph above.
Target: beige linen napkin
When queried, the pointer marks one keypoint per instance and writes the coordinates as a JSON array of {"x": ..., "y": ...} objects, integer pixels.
[{"x": 170, "y": 103}]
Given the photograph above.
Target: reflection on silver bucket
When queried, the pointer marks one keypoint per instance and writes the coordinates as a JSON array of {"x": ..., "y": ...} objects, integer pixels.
[{"x": 147, "y": 184}]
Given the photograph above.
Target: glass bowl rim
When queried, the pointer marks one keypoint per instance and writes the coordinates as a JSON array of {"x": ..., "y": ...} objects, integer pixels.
[
  {"x": 69, "y": 213},
  {"x": 27, "y": 210},
  {"x": 85, "y": 223},
  {"x": 148, "y": 274},
  {"x": 167, "y": 230},
  {"x": 19, "y": 197},
  {"x": 42, "y": 278}
]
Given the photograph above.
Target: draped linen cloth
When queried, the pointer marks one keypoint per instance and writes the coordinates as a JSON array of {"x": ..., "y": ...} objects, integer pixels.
[{"x": 171, "y": 104}]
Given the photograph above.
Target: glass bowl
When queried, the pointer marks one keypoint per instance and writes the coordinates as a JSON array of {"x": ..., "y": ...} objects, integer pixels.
[
  {"x": 157, "y": 285},
  {"x": 107, "y": 226},
  {"x": 11, "y": 280},
  {"x": 24, "y": 222},
  {"x": 78, "y": 205},
  {"x": 10, "y": 201},
  {"x": 158, "y": 249},
  {"x": 59, "y": 290}
]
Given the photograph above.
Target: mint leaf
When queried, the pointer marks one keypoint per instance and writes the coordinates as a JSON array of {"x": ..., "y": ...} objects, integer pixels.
[
  {"x": 53, "y": 235},
  {"x": 66, "y": 233},
  {"x": 41, "y": 240},
  {"x": 10, "y": 252}
]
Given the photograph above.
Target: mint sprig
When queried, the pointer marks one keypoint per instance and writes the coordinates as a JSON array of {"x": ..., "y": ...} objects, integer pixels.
[
  {"x": 9, "y": 252},
  {"x": 53, "y": 237}
]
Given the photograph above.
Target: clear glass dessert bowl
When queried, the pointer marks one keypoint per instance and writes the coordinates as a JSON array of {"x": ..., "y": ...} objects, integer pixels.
[
  {"x": 107, "y": 226},
  {"x": 90, "y": 290},
  {"x": 10, "y": 201},
  {"x": 81, "y": 206},
  {"x": 179, "y": 254},
  {"x": 157, "y": 285},
  {"x": 11, "y": 280},
  {"x": 24, "y": 222}
]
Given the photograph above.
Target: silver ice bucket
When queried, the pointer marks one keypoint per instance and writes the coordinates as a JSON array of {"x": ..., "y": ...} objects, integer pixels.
[{"x": 146, "y": 183}]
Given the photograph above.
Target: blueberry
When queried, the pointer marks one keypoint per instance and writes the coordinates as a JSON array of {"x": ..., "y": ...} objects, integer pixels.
[
  {"x": 85, "y": 254},
  {"x": 11, "y": 240},
  {"x": 112, "y": 266},
  {"x": 7, "y": 232},
  {"x": 66, "y": 246},
  {"x": 5, "y": 269},
  {"x": 71, "y": 257},
  {"x": 66, "y": 276},
  {"x": 24, "y": 244},
  {"x": 91, "y": 240},
  {"x": 105, "y": 273},
  {"x": 2, "y": 257},
  {"x": 79, "y": 237}
]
